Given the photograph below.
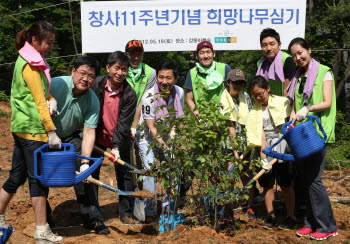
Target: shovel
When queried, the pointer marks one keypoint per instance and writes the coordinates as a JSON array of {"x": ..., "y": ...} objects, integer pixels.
[
  {"x": 121, "y": 162},
  {"x": 141, "y": 194},
  {"x": 255, "y": 178}
]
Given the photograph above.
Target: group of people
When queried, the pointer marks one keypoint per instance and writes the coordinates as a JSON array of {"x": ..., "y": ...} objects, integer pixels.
[{"x": 86, "y": 109}]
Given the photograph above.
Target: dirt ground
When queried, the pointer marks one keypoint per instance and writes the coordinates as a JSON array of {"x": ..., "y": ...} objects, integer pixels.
[{"x": 20, "y": 213}]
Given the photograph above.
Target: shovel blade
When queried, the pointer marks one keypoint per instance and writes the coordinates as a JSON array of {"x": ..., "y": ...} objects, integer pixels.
[{"x": 139, "y": 209}]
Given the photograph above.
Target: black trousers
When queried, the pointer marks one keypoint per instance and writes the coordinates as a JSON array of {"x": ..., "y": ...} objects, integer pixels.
[
  {"x": 319, "y": 213},
  {"x": 86, "y": 193},
  {"x": 124, "y": 180}
]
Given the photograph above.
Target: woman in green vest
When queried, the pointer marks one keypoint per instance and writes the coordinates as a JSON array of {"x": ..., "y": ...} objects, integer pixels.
[
  {"x": 31, "y": 123},
  {"x": 312, "y": 90}
]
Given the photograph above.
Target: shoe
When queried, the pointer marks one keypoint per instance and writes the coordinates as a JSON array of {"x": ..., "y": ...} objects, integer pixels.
[
  {"x": 269, "y": 222},
  {"x": 2, "y": 223},
  {"x": 128, "y": 220},
  {"x": 287, "y": 224},
  {"x": 259, "y": 199},
  {"x": 100, "y": 228},
  {"x": 304, "y": 231},
  {"x": 251, "y": 214},
  {"x": 151, "y": 219},
  {"x": 323, "y": 236},
  {"x": 44, "y": 235}
]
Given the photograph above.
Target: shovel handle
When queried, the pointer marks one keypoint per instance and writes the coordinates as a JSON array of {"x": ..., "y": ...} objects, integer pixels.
[
  {"x": 92, "y": 180},
  {"x": 258, "y": 175},
  {"x": 107, "y": 154}
]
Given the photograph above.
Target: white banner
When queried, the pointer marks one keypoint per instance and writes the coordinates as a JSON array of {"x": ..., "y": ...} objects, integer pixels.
[{"x": 180, "y": 25}]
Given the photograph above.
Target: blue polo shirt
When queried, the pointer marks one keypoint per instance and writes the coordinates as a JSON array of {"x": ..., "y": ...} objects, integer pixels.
[{"x": 74, "y": 112}]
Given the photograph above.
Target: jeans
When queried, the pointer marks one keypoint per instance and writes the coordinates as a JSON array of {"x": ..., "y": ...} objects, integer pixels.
[
  {"x": 149, "y": 183},
  {"x": 23, "y": 167}
]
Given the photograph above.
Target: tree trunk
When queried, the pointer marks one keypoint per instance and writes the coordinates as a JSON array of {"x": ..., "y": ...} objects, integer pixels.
[
  {"x": 346, "y": 77},
  {"x": 336, "y": 66},
  {"x": 311, "y": 6}
]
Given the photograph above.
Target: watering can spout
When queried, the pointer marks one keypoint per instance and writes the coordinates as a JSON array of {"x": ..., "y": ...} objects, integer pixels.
[
  {"x": 83, "y": 175},
  {"x": 282, "y": 156}
]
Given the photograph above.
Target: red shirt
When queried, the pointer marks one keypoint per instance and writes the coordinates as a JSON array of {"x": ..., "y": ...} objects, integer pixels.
[{"x": 109, "y": 115}]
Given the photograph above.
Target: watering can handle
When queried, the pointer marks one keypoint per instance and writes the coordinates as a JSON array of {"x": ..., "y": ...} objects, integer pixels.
[
  {"x": 282, "y": 156},
  {"x": 319, "y": 125},
  {"x": 37, "y": 151},
  {"x": 90, "y": 170}
]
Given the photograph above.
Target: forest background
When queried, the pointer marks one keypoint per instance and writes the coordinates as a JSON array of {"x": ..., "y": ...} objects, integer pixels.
[{"x": 327, "y": 31}]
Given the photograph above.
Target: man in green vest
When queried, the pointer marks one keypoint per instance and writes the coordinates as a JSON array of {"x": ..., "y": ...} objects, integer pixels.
[
  {"x": 208, "y": 73},
  {"x": 275, "y": 66},
  {"x": 141, "y": 77}
]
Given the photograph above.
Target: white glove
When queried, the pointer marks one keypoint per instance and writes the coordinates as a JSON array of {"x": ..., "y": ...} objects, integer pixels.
[
  {"x": 54, "y": 140},
  {"x": 133, "y": 132},
  {"x": 115, "y": 153},
  {"x": 52, "y": 104},
  {"x": 265, "y": 167},
  {"x": 83, "y": 167},
  {"x": 301, "y": 114},
  {"x": 172, "y": 134}
]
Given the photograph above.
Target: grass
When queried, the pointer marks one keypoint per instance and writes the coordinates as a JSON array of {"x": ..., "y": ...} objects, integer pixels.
[{"x": 4, "y": 114}]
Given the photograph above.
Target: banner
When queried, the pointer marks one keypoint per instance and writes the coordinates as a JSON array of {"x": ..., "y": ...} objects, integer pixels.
[{"x": 180, "y": 25}]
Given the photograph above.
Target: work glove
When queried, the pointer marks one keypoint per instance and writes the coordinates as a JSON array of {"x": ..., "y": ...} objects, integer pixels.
[
  {"x": 54, "y": 140},
  {"x": 265, "y": 167},
  {"x": 301, "y": 114},
  {"x": 172, "y": 134},
  {"x": 83, "y": 167},
  {"x": 115, "y": 154},
  {"x": 133, "y": 132},
  {"x": 52, "y": 104}
]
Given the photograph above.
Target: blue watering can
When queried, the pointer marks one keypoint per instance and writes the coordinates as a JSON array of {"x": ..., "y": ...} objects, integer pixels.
[
  {"x": 57, "y": 168},
  {"x": 303, "y": 140}
]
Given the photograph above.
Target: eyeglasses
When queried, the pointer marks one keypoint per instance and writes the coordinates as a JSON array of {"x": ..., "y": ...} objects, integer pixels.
[
  {"x": 259, "y": 95},
  {"x": 83, "y": 74}
]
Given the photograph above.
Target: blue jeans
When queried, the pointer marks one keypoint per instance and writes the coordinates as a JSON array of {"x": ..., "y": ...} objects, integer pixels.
[{"x": 23, "y": 167}]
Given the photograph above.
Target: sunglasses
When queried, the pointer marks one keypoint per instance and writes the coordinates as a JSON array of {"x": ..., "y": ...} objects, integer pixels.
[{"x": 302, "y": 84}]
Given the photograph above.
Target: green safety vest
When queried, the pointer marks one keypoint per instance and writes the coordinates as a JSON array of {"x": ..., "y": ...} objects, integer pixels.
[
  {"x": 199, "y": 78},
  {"x": 140, "y": 85},
  {"x": 277, "y": 86},
  {"x": 25, "y": 115},
  {"x": 327, "y": 117}
]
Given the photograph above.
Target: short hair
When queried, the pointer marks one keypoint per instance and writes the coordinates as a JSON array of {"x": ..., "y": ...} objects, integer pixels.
[
  {"x": 89, "y": 61},
  {"x": 118, "y": 57},
  {"x": 268, "y": 32},
  {"x": 259, "y": 81},
  {"x": 169, "y": 65},
  {"x": 301, "y": 41}
]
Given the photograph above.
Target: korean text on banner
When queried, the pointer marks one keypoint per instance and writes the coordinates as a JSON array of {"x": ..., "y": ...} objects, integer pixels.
[{"x": 180, "y": 25}]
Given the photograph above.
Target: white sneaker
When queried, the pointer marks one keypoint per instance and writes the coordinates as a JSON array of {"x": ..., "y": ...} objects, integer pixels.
[
  {"x": 2, "y": 223},
  {"x": 44, "y": 235}
]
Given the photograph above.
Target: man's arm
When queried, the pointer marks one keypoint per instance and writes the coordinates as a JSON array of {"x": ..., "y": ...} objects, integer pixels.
[
  {"x": 190, "y": 102},
  {"x": 285, "y": 85},
  {"x": 88, "y": 143},
  {"x": 137, "y": 115},
  {"x": 125, "y": 118},
  {"x": 152, "y": 128}
]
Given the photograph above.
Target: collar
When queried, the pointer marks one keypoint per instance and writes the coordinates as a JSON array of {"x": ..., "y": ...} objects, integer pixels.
[{"x": 115, "y": 92}]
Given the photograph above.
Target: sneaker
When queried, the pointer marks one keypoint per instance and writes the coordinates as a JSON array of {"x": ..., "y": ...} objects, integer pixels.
[
  {"x": 44, "y": 235},
  {"x": 2, "y": 223},
  {"x": 287, "y": 224},
  {"x": 269, "y": 222},
  {"x": 304, "y": 231},
  {"x": 259, "y": 199},
  {"x": 100, "y": 228},
  {"x": 251, "y": 214},
  {"x": 323, "y": 236},
  {"x": 128, "y": 220}
]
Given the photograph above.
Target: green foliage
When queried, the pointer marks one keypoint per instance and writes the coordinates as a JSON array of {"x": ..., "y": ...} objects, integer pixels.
[
  {"x": 196, "y": 155},
  {"x": 3, "y": 96},
  {"x": 338, "y": 155}
]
